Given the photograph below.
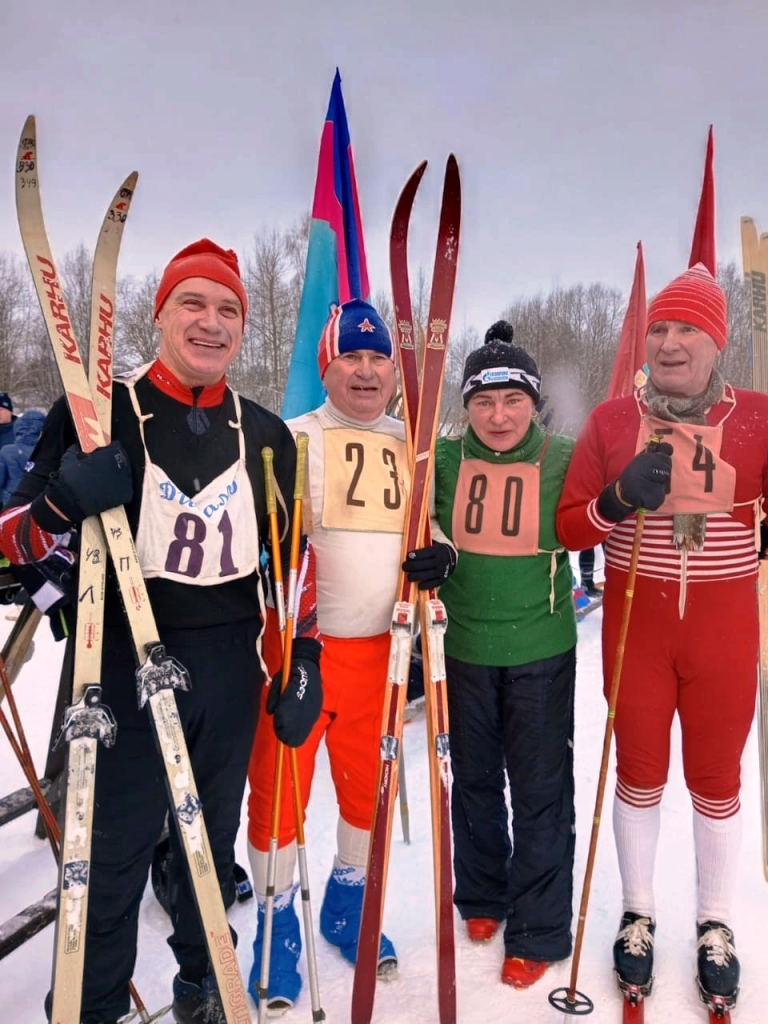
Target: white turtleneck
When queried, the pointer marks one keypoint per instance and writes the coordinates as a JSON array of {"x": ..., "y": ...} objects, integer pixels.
[{"x": 358, "y": 547}]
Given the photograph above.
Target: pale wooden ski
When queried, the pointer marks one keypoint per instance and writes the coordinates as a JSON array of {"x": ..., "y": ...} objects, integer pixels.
[
  {"x": 157, "y": 674},
  {"x": 755, "y": 256},
  {"x": 88, "y": 720}
]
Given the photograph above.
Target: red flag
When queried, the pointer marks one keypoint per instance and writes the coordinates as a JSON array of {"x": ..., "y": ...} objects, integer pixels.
[
  {"x": 630, "y": 355},
  {"x": 703, "y": 246}
]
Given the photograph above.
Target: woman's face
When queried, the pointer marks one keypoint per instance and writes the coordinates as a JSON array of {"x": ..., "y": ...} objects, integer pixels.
[{"x": 501, "y": 418}]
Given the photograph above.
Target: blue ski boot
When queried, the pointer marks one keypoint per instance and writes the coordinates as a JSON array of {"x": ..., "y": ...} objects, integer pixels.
[
  {"x": 340, "y": 917},
  {"x": 284, "y": 977}
]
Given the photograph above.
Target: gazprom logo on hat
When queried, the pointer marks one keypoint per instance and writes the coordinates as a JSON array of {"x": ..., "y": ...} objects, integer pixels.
[{"x": 495, "y": 375}]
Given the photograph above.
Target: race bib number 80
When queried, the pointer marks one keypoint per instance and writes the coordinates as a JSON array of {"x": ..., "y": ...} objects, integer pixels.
[
  {"x": 496, "y": 508},
  {"x": 366, "y": 481}
]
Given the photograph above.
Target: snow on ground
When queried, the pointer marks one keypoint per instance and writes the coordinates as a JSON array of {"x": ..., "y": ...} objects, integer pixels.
[{"x": 27, "y": 872}]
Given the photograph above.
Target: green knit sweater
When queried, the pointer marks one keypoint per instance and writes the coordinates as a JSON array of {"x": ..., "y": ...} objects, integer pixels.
[{"x": 498, "y": 606}]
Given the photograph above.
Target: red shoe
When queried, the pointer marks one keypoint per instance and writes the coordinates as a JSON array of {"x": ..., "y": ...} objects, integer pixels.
[
  {"x": 521, "y": 973},
  {"x": 482, "y": 929}
]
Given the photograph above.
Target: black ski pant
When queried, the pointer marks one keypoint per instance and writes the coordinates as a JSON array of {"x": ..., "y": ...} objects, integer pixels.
[
  {"x": 219, "y": 718},
  {"x": 516, "y": 724}
]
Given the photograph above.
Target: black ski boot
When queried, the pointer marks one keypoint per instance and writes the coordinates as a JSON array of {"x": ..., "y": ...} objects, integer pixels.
[
  {"x": 633, "y": 954},
  {"x": 718, "y": 967},
  {"x": 197, "y": 1004}
]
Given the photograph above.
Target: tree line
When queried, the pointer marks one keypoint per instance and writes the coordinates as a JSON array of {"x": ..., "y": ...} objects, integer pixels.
[{"x": 571, "y": 332}]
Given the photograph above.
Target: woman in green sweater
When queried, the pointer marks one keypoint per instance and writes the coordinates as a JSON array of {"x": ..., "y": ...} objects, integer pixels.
[{"x": 510, "y": 659}]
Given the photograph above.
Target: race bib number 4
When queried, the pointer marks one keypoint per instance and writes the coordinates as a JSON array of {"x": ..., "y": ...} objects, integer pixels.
[
  {"x": 496, "y": 508},
  {"x": 366, "y": 481},
  {"x": 701, "y": 481}
]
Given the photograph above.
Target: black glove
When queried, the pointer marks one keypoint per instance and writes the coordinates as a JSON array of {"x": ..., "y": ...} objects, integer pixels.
[
  {"x": 643, "y": 484},
  {"x": 84, "y": 486},
  {"x": 429, "y": 567},
  {"x": 298, "y": 707}
]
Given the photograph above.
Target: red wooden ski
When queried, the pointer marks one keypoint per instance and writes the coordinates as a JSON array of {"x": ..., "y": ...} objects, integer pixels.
[
  {"x": 433, "y": 624},
  {"x": 403, "y": 619}
]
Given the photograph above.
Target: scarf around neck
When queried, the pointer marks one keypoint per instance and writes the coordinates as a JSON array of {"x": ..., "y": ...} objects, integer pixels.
[{"x": 688, "y": 528}]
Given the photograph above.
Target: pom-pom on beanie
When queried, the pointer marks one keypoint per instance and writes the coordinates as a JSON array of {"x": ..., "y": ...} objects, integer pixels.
[{"x": 500, "y": 364}]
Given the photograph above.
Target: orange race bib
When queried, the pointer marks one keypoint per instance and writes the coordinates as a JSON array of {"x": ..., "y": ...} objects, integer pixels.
[
  {"x": 701, "y": 481},
  {"x": 366, "y": 481},
  {"x": 496, "y": 508}
]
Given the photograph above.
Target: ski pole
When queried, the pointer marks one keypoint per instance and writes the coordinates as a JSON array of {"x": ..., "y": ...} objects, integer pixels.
[
  {"x": 405, "y": 817},
  {"x": 24, "y": 756},
  {"x": 16, "y": 648},
  {"x": 286, "y": 630},
  {"x": 568, "y": 999}
]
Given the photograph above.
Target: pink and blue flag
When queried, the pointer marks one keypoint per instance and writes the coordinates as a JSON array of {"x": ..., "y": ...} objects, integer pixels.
[{"x": 336, "y": 268}]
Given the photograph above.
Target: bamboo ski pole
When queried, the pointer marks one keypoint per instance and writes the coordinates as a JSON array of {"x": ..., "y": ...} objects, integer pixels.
[
  {"x": 569, "y": 1000},
  {"x": 285, "y": 622}
]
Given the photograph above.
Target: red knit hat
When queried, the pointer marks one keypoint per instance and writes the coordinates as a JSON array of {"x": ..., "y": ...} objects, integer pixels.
[
  {"x": 695, "y": 298},
  {"x": 203, "y": 259}
]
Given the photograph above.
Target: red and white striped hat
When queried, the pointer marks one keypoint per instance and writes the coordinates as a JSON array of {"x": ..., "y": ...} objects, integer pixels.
[
  {"x": 352, "y": 326},
  {"x": 695, "y": 298}
]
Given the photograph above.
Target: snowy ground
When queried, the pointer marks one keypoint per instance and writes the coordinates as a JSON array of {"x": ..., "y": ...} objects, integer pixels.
[{"x": 27, "y": 872}]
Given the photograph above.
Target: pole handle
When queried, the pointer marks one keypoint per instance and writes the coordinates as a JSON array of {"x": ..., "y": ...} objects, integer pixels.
[
  {"x": 268, "y": 458},
  {"x": 302, "y": 446}
]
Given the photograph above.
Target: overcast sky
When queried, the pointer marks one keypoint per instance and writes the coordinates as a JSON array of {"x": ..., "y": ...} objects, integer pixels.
[{"x": 579, "y": 127}]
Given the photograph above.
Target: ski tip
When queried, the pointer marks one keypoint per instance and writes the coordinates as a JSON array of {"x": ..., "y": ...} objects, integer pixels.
[
  {"x": 29, "y": 130},
  {"x": 130, "y": 181},
  {"x": 408, "y": 193},
  {"x": 452, "y": 164}
]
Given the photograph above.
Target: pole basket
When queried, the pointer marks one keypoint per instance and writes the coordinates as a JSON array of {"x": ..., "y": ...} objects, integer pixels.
[{"x": 577, "y": 1005}]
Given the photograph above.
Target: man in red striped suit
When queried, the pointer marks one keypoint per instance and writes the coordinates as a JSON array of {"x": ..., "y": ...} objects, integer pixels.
[{"x": 692, "y": 644}]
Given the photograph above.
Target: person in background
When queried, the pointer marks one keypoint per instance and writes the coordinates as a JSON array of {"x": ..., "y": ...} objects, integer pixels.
[
  {"x": 510, "y": 660},
  {"x": 14, "y": 457},
  {"x": 6, "y": 419},
  {"x": 691, "y": 451},
  {"x": 587, "y": 572}
]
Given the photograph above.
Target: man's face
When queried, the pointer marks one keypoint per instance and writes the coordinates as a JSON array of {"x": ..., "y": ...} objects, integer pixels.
[
  {"x": 361, "y": 384},
  {"x": 201, "y": 330},
  {"x": 5, "y": 415},
  {"x": 680, "y": 357}
]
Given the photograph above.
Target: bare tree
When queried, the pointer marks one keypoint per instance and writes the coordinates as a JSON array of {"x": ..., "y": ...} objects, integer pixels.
[
  {"x": 736, "y": 360},
  {"x": 135, "y": 333},
  {"x": 572, "y": 334},
  {"x": 17, "y": 309},
  {"x": 261, "y": 369},
  {"x": 76, "y": 271}
]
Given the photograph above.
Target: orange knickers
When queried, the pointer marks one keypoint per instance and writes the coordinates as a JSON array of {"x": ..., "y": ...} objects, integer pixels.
[{"x": 354, "y": 675}]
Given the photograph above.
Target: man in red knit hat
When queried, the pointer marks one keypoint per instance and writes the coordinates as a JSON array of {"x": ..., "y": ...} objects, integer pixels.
[
  {"x": 186, "y": 461},
  {"x": 692, "y": 644}
]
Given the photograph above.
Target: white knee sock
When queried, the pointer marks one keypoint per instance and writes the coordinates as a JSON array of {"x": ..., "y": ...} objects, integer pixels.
[
  {"x": 286, "y": 863},
  {"x": 352, "y": 844},
  {"x": 636, "y": 831},
  {"x": 717, "y": 842}
]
